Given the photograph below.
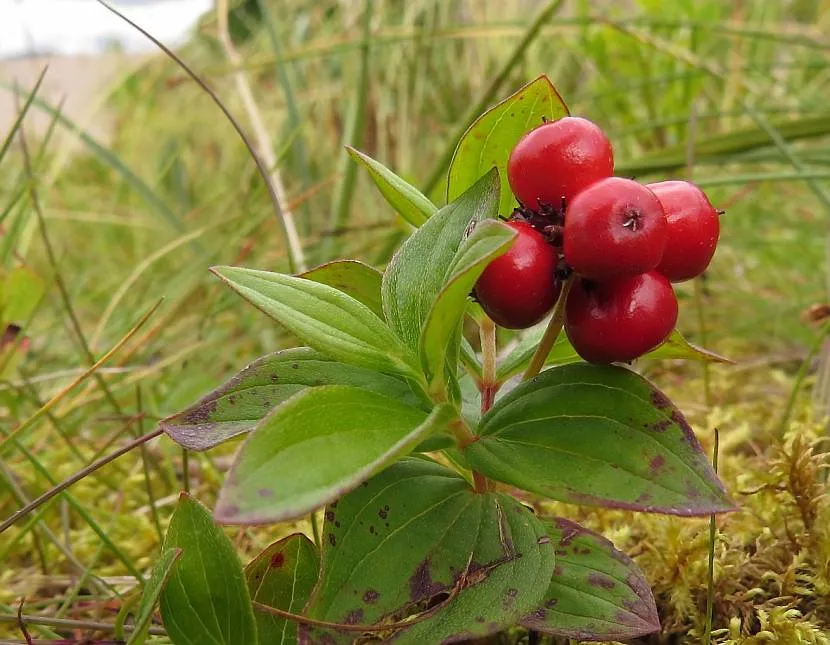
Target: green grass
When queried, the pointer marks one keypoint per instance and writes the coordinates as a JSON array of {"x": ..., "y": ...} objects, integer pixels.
[{"x": 175, "y": 191}]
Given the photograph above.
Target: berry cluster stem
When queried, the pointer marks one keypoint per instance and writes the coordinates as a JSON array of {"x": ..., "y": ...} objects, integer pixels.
[
  {"x": 551, "y": 333},
  {"x": 489, "y": 384}
]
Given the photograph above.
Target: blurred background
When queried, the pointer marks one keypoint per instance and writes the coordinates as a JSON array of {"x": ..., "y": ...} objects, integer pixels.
[{"x": 132, "y": 183}]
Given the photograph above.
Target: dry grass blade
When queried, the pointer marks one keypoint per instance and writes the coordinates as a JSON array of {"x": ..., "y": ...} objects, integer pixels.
[
  {"x": 264, "y": 145},
  {"x": 260, "y": 163}
]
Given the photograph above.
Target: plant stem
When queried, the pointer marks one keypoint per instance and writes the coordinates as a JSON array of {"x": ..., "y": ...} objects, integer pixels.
[
  {"x": 551, "y": 333},
  {"x": 489, "y": 385},
  {"x": 74, "y": 624},
  {"x": 315, "y": 529},
  {"x": 81, "y": 474},
  {"x": 466, "y": 437},
  {"x": 710, "y": 595}
]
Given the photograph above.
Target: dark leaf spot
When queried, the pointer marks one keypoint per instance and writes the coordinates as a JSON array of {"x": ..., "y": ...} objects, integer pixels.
[
  {"x": 382, "y": 514},
  {"x": 330, "y": 516},
  {"x": 277, "y": 560},
  {"x": 659, "y": 426},
  {"x": 421, "y": 585},
  {"x": 660, "y": 400},
  {"x": 656, "y": 464},
  {"x": 332, "y": 539},
  {"x": 370, "y": 597},
  {"x": 265, "y": 492},
  {"x": 354, "y": 617},
  {"x": 600, "y": 580}
]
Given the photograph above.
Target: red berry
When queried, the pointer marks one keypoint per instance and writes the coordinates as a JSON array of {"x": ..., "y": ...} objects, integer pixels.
[
  {"x": 694, "y": 227},
  {"x": 558, "y": 159},
  {"x": 621, "y": 319},
  {"x": 519, "y": 288},
  {"x": 614, "y": 227}
]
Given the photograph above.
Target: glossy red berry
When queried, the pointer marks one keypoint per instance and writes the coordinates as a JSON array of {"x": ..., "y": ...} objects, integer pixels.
[
  {"x": 614, "y": 227},
  {"x": 519, "y": 288},
  {"x": 620, "y": 319},
  {"x": 693, "y": 229},
  {"x": 557, "y": 160}
]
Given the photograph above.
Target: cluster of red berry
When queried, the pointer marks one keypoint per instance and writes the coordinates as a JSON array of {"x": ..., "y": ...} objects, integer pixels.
[{"x": 625, "y": 241}]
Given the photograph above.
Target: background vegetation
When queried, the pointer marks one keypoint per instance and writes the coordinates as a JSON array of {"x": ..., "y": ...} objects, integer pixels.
[{"x": 731, "y": 94}]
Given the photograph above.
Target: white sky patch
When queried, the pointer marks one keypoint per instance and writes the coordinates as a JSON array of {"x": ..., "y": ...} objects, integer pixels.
[{"x": 73, "y": 27}]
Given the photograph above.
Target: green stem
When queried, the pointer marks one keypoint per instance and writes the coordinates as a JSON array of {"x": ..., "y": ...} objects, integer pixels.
[
  {"x": 551, "y": 333},
  {"x": 315, "y": 529},
  {"x": 710, "y": 595},
  {"x": 489, "y": 383}
]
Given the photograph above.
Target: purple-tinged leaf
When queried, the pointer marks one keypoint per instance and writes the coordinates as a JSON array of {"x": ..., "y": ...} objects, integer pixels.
[
  {"x": 597, "y": 593},
  {"x": 238, "y": 405},
  {"x": 512, "y": 561},
  {"x": 314, "y": 448},
  {"x": 601, "y": 436},
  {"x": 416, "y": 533},
  {"x": 282, "y": 576}
]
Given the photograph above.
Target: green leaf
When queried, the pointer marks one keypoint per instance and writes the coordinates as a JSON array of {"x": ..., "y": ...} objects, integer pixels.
[
  {"x": 152, "y": 591},
  {"x": 419, "y": 515},
  {"x": 408, "y": 201},
  {"x": 596, "y": 592},
  {"x": 512, "y": 562},
  {"x": 676, "y": 346},
  {"x": 20, "y": 292},
  {"x": 426, "y": 520},
  {"x": 317, "y": 446},
  {"x": 356, "y": 279},
  {"x": 326, "y": 319},
  {"x": 282, "y": 576},
  {"x": 490, "y": 139},
  {"x": 418, "y": 270},
  {"x": 206, "y": 598},
  {"x": 601, "y": 436},
  {"x": 238, "y": 405},
  {"x": 519, "y": 357},
  {"x": 562, "y": 352},
  {"x": 442, "y": 327}
]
